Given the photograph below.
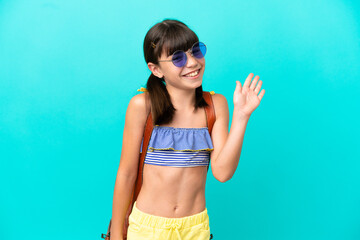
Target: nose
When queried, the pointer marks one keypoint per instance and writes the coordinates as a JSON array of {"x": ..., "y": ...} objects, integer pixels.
[{"x": 191, "y": 60}]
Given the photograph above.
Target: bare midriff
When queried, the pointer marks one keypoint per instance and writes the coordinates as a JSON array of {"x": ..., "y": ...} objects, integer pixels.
[{"x": 172, "y": 192}]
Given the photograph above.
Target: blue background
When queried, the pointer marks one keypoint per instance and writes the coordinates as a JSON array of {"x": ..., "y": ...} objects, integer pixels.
[{"x": 69, "y": 68}]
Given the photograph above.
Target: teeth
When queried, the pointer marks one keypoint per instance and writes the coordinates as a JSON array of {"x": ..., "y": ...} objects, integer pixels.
[{"x": 192, "y": 74}]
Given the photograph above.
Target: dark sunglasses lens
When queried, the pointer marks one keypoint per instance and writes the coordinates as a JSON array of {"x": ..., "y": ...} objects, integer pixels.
[
  {"x": 199, "y": 50},
  {"x": 179, "y": 58}
]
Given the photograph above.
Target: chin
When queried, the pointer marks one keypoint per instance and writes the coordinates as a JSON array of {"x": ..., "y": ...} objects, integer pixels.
[{"x": 198, "y": 83}]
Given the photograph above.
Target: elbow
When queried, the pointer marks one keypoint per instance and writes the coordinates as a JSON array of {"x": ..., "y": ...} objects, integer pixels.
[
  {"x": 222, "y": 179},
  {"x": 220, "y": 174}
]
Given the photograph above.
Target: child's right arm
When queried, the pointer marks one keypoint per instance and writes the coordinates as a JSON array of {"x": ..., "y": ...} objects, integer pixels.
[{"x": 135, "y": 120}]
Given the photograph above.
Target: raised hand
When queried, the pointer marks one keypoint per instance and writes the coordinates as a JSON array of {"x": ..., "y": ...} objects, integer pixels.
[{"x": 247, "y": 97}]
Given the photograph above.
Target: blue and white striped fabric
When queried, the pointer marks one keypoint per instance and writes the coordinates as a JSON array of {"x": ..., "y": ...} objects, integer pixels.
[
  {"x": 179, "y": 147},
  {"x": 177, "y": 158}
]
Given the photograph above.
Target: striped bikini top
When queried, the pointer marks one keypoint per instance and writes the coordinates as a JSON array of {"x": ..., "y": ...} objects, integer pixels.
[{"x": 179, "y": 147}]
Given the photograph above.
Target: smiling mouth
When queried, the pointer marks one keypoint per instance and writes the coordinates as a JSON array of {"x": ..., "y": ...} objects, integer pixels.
[{"x": 192, "y": 74}]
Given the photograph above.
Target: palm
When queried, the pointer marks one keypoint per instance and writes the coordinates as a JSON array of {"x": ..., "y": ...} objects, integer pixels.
[{"x": 247, "y": 97}]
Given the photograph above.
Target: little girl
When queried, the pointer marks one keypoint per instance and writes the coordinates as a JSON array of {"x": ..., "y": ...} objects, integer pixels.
[{"x": 171, "y": 203}]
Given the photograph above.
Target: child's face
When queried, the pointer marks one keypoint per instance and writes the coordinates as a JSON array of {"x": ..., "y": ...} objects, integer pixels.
[{"x": 174, "y": 76}]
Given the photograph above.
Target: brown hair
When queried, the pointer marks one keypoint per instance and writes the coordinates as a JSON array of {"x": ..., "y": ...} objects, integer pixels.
[{"x": 170, "y": 35}]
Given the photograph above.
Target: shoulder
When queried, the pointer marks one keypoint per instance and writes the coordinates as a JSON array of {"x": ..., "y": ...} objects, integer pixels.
[
  {"x": 218, "y": 98},
  {"x": 139, "y": 106},
  {"x": 140, "y": 101},
  {"x": 220, "y": 104}
]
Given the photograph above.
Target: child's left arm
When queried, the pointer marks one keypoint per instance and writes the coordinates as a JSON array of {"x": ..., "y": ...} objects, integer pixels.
[{"x": 227, "y": 146}]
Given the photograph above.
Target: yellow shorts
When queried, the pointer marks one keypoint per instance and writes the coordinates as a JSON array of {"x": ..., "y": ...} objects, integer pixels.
[{"x": 145, "y": 226}]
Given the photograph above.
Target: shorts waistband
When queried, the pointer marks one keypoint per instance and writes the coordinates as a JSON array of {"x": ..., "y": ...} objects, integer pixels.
[{"x": 164, "y": 222}]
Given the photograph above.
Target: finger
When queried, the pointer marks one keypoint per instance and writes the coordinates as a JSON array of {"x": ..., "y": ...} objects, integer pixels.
[
  {"x": 258, "y": 87},
  {"x": 253, "y": 83},
  {"x": 248, "y": 80},
  {"x": 238, "y": 86},
  {"x": 261, "y": 94}
]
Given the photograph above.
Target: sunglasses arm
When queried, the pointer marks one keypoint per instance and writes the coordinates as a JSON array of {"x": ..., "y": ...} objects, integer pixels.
[{"x": 165, "y": 61}]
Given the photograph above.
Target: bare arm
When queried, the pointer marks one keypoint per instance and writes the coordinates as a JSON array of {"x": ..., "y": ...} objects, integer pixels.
[
  {"x": 121, "y": 202},
  {"x": 126, "y": 176},
  {"x": 227, "y": 146}
]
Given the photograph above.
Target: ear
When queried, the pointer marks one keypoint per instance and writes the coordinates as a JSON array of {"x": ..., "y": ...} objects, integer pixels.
[{"x": 155, "y": 69}]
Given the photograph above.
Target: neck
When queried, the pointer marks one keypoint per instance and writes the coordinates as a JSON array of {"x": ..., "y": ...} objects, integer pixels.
[{"x": 182, "y": 99}]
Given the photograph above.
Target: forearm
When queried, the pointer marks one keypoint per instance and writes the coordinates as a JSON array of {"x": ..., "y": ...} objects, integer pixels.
[
  {"x": 227, "y": 161},
  {"x": 121, "y": 201}
]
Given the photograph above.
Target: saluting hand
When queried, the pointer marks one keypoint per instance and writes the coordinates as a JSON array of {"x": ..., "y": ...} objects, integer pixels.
[{"x": 247, "y": 97}]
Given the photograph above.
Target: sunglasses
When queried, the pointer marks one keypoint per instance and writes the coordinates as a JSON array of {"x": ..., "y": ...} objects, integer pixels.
[{"x": 179, "y": 57}]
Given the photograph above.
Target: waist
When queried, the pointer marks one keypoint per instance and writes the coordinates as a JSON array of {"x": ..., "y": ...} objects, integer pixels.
[
  {"x": 165, "y": 205},
  {"x": 154, "y": 221}
]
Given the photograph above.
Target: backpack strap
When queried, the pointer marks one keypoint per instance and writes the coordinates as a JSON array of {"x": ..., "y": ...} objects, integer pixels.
[
  {"x": 209, "y": 110},
  {"x": 210, "y": 113},
  {"x": 147, "y": 134}
]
